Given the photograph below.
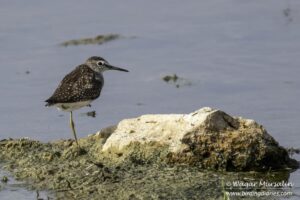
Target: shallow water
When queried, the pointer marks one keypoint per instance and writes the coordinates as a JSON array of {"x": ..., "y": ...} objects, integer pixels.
[
  {"x": 13, "y": 189},
  {"x": 240, "y": 56}
]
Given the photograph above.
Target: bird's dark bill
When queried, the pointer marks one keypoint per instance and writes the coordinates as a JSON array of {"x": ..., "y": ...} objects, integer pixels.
[{"x": 116, "y": 68}]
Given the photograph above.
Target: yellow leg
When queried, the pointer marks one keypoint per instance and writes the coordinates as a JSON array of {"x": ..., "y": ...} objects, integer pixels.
[{"x": 73, "y": 127}]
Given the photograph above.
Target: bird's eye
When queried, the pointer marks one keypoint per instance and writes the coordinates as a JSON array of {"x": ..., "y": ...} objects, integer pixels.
[{"x": 100, "y": 63}]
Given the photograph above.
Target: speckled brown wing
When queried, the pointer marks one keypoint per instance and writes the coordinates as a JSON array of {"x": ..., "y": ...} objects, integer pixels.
[{"x": 81, "y": 84}]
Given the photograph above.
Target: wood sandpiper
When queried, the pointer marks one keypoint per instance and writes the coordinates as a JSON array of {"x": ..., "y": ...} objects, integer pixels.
[{"x": 80, "y": 87}]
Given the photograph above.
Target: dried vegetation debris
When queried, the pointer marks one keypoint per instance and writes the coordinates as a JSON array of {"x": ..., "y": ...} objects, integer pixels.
[
  {"x": 176, "y": 80},
  {"x": 99, "y": 39}
]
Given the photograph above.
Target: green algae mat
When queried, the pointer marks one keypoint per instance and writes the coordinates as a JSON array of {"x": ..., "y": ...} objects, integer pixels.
[{"x": 70, "y": 173}]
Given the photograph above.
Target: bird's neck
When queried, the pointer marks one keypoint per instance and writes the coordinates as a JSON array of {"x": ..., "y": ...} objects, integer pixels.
[
  {"x": 95, "y": 69},
  {"x": 99, "y": 77}
]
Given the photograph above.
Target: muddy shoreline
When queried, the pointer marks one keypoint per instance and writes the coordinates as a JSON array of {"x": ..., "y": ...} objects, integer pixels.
[
  {"x": 174, "y": 156},
  {"x": 68, "y": 173}
]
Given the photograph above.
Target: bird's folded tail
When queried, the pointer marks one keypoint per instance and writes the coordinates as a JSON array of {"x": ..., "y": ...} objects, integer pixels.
[{"x": 49, "y": 103}]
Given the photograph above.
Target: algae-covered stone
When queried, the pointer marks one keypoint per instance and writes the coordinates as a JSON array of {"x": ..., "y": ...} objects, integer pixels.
[{"x": 207, "y": 138}]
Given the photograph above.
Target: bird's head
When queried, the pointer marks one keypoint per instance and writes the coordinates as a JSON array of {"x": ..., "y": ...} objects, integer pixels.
[{"x": 99, "y": 65}]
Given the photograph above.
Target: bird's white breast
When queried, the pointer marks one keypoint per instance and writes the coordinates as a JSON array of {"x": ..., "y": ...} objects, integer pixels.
[{"x": 68, "y": 107}]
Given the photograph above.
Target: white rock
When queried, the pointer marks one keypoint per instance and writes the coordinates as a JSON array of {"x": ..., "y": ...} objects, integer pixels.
[
  {"x": 208, "y": 138},
  {"x": 166, "y": 129}
]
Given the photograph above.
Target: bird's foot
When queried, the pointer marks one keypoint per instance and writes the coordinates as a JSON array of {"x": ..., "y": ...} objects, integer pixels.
[{"x": 81, "y": 151}]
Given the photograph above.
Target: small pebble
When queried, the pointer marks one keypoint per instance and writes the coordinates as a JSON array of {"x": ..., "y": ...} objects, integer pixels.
[{"x": 4, "y": 179}]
